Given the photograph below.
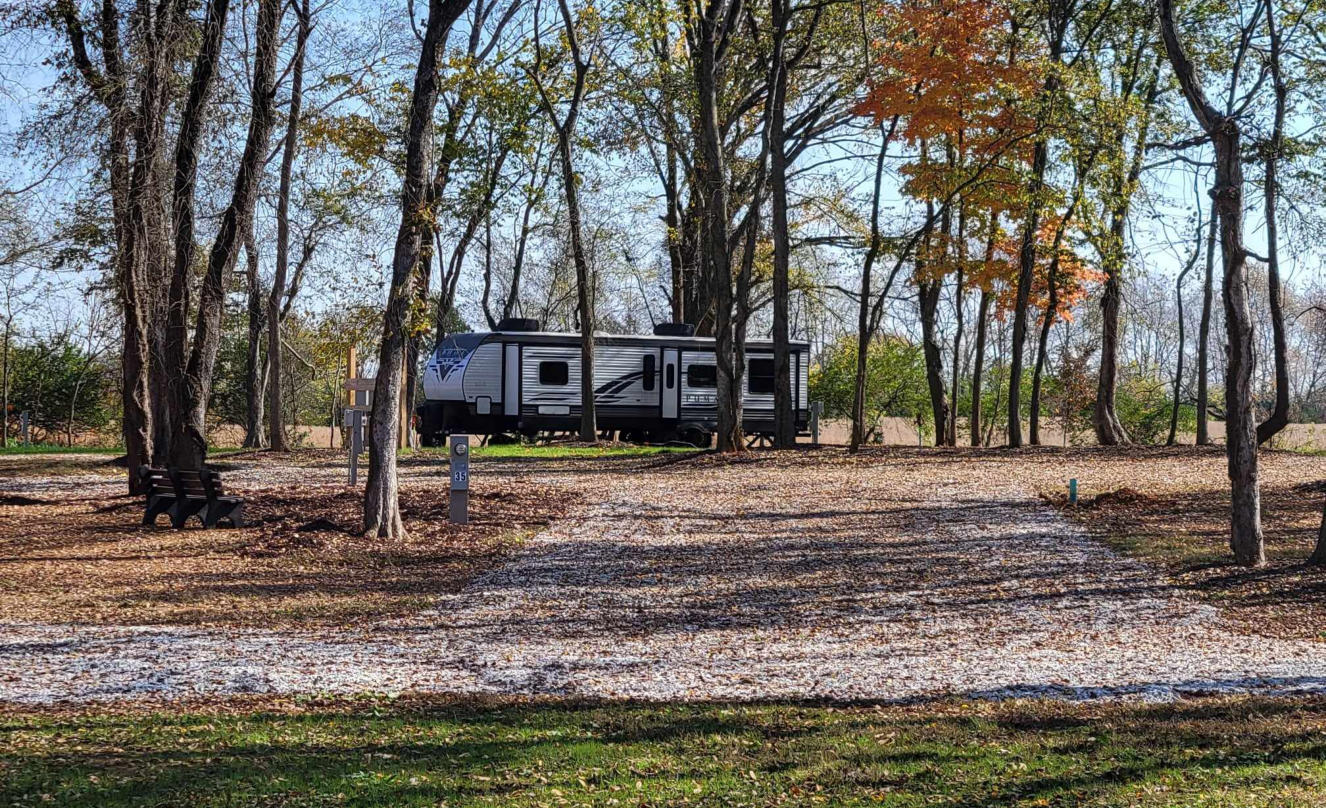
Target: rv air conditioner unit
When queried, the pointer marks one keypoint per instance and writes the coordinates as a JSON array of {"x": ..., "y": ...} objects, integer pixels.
[
  {"x": 674, "y": 330},
  {"x": 519, "y": 324}
]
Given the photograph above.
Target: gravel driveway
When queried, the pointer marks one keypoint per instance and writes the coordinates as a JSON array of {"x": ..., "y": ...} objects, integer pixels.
[{"x": 738, "y": 580}]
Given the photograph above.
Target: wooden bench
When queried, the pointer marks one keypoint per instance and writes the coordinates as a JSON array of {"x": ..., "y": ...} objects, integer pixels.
[{"x": 181, "y": 493}]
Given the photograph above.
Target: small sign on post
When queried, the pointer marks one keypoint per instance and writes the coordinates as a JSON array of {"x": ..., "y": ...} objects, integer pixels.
[
  {"x": 355, "y": 419},
  {"x": 460, "y": 479}
]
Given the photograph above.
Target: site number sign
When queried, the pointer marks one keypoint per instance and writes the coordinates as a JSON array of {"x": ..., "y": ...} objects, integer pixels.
[
  {"x": 459, "y": 506},
  {"x": 460, "y": 462}
]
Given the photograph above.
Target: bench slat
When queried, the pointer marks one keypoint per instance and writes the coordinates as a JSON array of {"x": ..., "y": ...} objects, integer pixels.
[{"x": 169, "y": 489}]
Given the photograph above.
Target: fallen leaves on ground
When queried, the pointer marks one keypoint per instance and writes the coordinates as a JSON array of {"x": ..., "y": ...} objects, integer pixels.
[{"x": 301, "y": 559}]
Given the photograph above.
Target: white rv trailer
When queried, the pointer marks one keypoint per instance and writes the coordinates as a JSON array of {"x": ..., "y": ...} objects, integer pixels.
[{"x": 648, "y": 388}]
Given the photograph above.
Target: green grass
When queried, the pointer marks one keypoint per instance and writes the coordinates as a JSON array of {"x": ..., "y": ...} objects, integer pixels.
[
  {"x": 557, "y": 451},
  {"x": 46, "y": 448},
  {"x": 42, "y": 448},
  {"x": 1241, "y": 752}
]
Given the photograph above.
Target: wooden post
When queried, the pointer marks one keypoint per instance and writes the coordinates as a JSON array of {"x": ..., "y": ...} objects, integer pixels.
[
  {"x": 816, "y": 408},
  {"x": 351, "y": 372}
]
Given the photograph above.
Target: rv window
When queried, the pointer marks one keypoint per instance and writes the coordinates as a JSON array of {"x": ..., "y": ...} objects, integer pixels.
[
  {"x": 672, "y": 372},
  {"x": 649, "y": 372},
  {"x": 761, "y": 376},
  {"x": 553, "y": 373},
  {"x": 701, "y": 376}
]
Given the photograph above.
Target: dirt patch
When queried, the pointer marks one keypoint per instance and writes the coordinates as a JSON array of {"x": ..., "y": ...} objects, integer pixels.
[
  {"x": 299, "y": 561},
  {"x": 1123, "y": 497}
]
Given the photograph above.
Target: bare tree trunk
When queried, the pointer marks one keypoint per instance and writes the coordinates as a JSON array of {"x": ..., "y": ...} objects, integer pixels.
[
  {"x": 712, "y": 26},
  {"x": 978, "y": 369},
  {"x": 1105, "y": 417},
  {"x": 1204, "y": 337},
  {"x": 928, "y": 294},
  {"x": 1318, "y": 557},
  {"x": 1245, "y": 538},
  {"x": 1042, "y": 353},
  {"x": 1279, "y": 417},
  {"x": 865, "y": 327},
  {"x": 784, "y": 410},
  {"x": 1058, "y": 15},
  {"x": 982, "y": 324},
  {"x": 957, "y": 354},
  {"x": 4, "y": 387},
  {"x": 1026, "y": 270},
  {"x": 1173, "y": 437},
  {"x": 486, "y": 303},
  {"x": 189, "y": 440},
  {"x": 672, "y": 219},
  {"x": 130, "y": 191},
  {"x": 276, "y": 417},
  {"x": 255, "y": 367},
  {"x": 174, "y": 351},
  {"x": 1178, "y": 367},
  {"x": 382, "y": 515},
  {"x": 584, "y": 282},
  {"x": 1051, "y": 310}
]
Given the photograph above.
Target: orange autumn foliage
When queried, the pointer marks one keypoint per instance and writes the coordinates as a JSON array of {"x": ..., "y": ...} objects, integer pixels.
[
  {"x": 947, "y": 68},
  {"x": 1073, "y": 276},
  {"x": 950, "y": 72}
]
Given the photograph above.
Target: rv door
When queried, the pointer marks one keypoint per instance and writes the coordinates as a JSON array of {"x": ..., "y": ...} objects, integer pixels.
[
  {"x": 511, "y": 380},
  {"x": 671, "y": 383}
]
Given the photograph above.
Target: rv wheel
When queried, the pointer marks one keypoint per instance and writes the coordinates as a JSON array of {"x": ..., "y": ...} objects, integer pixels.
[{"x": 696, "y": 436}]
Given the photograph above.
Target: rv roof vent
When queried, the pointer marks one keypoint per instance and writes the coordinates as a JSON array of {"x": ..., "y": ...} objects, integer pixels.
[
  {"x": 518, "y": 324},
  {"x": 674, "y": 330}
]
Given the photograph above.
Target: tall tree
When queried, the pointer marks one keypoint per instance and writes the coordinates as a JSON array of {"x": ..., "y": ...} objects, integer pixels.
[
  {"x": 1141, "y": 78},
  {"x": 784, "y": 407},
  {"x": 131, "y": 84},
  {"x": 1274, "y": 150},
  {"x": 565, "y": 129},
  {"x": 382, "y": 513},
  {"x": 711, "y": 28},
  {"x": 1204, "y": 335},
  {"x": 191, "y": 388},
  {"x": 1223, "y": 129},
  {"x": 255, "y": 368},
  {"x": 276, "y": 415},
  {"x": 1058, "y": 17},
  {"x": 1180, "y": 353}
]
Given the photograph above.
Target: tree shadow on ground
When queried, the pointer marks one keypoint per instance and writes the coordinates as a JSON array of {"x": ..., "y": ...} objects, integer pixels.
[
  {"x": 429, "y": 752},
  {"x": 1185, "y": 533}
]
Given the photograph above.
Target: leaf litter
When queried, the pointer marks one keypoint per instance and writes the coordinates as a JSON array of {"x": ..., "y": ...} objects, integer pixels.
[{"x": 889, "y": 576}]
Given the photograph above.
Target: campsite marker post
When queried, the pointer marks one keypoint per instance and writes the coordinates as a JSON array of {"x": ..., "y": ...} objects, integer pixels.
[
  {"x": 356, "y": 419},
  {"x": 1072, "y": 491},
  {"x": 459, "y": 499},
  {"x": 816, "y": 410}
]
